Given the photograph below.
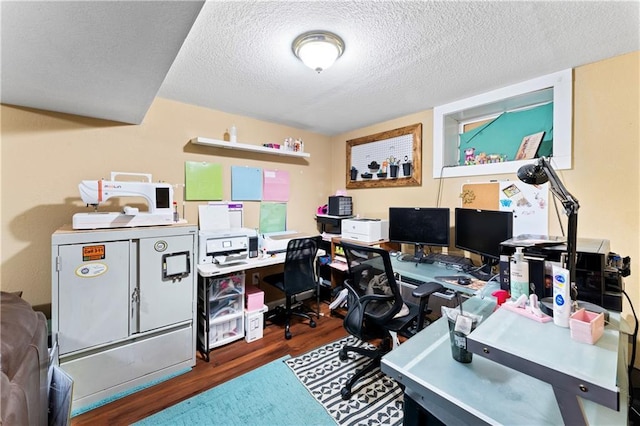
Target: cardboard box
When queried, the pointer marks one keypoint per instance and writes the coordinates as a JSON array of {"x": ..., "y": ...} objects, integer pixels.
[
  {"x": 254, "y": 324},
  {"x": 254, "y": 298}
]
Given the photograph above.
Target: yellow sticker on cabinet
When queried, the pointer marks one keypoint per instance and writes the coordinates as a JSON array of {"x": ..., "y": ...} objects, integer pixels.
[{"x": 91, "y": 270}]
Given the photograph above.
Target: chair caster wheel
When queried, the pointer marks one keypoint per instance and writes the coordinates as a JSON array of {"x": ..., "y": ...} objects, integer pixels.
[
  {"x": 287, "y": 335},
  {"x": 343, "y": 356},
  {"x": 345, "y": 393},
  {"x": 312, "y": 324}
]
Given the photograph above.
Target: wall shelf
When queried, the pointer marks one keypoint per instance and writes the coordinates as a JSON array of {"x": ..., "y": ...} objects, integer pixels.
[{"x": 247, "y": 147}]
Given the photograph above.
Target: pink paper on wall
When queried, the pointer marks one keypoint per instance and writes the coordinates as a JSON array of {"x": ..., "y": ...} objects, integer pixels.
[{"x": 275, "y": 185}]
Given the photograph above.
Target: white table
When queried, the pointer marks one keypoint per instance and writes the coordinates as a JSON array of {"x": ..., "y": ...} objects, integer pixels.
[
  {"x": 488, "y": 392},
  {"x": 576, "y": 371}
]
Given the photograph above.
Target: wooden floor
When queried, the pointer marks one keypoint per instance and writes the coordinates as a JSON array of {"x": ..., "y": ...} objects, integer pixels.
[{"x": 227, "y": 362}]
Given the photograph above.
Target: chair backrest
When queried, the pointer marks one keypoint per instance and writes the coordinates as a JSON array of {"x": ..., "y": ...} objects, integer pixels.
[
  {"x": 299, "y": 270},
  {"x": 370, "y": 272}
]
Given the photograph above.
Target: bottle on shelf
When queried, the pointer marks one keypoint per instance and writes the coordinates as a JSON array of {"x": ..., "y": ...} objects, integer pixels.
[
  {"x": 225, "y": 137},
  {"x": 234, "y": 134}
]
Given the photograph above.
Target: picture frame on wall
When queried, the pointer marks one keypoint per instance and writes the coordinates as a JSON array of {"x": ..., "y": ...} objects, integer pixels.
[
  {"x": 387, "y": 159},
  {"x": 529, "y": 146}
]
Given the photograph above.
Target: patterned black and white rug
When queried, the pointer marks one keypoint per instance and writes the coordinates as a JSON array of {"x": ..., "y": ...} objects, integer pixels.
[{"x": 377, "y": 399}]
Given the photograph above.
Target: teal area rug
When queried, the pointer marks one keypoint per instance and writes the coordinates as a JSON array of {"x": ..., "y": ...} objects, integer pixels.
[
  {"x": 376, "y": 400},
  {"x": 269, "y": 395}
]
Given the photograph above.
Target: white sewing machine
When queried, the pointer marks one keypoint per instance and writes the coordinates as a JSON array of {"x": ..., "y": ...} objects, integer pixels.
[{"x": 159, "y": 197}]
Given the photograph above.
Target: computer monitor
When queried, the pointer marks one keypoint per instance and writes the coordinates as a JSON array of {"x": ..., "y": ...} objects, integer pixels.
[
  {"x": 420, "y": 226},
  {"x": 482, "y": 231}
]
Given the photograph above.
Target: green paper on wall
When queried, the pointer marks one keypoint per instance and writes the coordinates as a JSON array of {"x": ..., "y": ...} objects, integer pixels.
[
  {"x": 273, "y": 217},
  {"x": 203, "y": 181}
]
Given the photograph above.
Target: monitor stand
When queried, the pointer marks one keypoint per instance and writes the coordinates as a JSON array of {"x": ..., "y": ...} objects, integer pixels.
[
  {"x": 419, "y": 256},
  {"x": 487, "y": 264}
]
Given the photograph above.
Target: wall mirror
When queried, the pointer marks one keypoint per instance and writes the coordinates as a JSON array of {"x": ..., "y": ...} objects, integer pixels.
[{"x": 386, "y": 159}]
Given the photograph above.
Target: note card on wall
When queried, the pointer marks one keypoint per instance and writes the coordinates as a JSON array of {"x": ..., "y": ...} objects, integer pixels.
[
  {"x": 203, "y": 181},
  {"x": 273, "y": 217},
  {"x": 529, "y": 204},
  {"x": 246, "y": 183},
  {"x": 275, "y": 185}
]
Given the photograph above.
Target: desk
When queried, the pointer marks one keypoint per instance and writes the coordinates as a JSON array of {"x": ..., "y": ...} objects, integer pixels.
[
  {"x": 230, "y": 326},
  {"x": 221, "y": 303},
  {"x": 213, "y": 269},
  {"x": 424, "y": 272},
  {"x": 429, "y": 271},
  {"x": 485, "y": 392}
]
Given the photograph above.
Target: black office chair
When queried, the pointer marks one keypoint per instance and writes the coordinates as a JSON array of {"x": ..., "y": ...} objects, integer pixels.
[
  {"x": 373, "y": 301},
  {"x": 298, "y": 276}
]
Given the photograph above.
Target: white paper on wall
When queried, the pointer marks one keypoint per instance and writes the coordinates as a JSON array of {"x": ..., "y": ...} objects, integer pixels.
[{"x": 529, "y": 204}]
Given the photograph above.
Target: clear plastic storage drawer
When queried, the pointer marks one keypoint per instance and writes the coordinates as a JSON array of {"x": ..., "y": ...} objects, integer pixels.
[
  {"x": 226, "y": 286},
  {"x": 225, "y": 306}
]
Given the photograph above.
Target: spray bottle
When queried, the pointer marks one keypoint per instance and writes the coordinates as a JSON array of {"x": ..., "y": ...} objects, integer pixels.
[{"x": 519, "y": 275}]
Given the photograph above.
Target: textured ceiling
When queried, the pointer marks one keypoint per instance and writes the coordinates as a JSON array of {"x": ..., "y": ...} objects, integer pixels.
[
  {"x": 400, "y": 57},
  {"x": 92, "y": 58}
]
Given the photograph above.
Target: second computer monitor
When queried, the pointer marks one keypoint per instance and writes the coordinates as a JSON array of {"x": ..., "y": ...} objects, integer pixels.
[
  {"x": 482, "y": 231},
  {"x": 420, "y": 226}
]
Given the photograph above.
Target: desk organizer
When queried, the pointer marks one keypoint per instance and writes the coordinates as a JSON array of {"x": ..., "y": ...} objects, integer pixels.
[
  {"x": 586, "y": 326},
  {"x": 525, "y": 312}
]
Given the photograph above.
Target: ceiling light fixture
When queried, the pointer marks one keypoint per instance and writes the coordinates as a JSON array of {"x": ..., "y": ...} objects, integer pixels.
[{"x": 318, "y": 49}]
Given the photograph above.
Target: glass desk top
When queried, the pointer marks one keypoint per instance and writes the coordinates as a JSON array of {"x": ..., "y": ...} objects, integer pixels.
[{"x": 484, "y": 391}]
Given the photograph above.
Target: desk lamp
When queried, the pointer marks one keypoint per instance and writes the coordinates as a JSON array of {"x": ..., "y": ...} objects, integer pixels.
[{"x": 542, "y": 172}]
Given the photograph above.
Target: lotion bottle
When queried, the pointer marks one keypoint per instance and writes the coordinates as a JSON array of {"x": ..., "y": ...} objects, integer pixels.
[
  {"x": 561, "y": 296},
  {"x": 519, "y": 275}
]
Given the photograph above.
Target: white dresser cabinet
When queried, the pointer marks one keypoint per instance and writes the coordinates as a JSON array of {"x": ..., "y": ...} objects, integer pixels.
[{"x": 123, "y": 307}]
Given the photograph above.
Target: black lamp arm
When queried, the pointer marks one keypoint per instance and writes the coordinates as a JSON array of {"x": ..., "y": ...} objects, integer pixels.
[
  {"x": 571, "y": 207},
  {"x": 558, "y": 189}
]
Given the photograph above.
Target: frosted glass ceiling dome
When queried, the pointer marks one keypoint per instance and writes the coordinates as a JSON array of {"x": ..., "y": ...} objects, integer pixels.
[{"x": 318, "y": 49}]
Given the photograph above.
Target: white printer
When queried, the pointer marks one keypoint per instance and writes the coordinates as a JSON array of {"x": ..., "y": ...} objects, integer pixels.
[
  {"x": 224, "y": 246},
  {"x": 365, "y": 230}
]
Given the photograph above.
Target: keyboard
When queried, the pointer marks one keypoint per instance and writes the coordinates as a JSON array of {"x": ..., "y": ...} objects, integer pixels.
[{"x": 450, "y": 259}]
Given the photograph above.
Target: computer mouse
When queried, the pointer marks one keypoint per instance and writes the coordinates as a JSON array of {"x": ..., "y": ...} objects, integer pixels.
[{"x": 464, "y": 281}]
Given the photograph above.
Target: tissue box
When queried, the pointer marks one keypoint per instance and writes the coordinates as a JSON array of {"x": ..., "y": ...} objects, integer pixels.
[{"x": 586, "y": 326}]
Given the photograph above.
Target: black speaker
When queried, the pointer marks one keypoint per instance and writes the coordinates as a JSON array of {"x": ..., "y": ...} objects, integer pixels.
[{"x": 253, "y": 246}]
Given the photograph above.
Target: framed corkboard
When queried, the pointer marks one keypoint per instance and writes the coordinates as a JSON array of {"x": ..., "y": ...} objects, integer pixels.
[{"x": 401, "y": 148}]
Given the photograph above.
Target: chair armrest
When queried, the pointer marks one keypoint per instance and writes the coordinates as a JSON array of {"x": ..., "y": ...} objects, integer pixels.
[{"x": 426, "y": 289}]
